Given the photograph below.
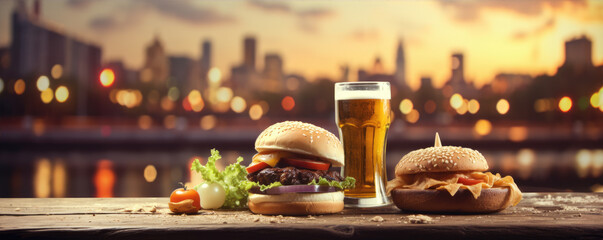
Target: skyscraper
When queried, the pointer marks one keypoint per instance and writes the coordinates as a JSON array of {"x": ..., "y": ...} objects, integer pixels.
[
  {"x": 458, "y": 74},
  {"x": 205, "y": 62},
  {"x": 578, "y": 54},
  {"x": 249, "y": 53},
  {"x": 273, "y": 73},
  {"x": 400, "y": 73},
  {"x": 156, "y": 68}
]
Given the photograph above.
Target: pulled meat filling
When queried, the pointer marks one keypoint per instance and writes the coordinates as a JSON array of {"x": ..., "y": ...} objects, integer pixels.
[{"x": 291, "y": 176}]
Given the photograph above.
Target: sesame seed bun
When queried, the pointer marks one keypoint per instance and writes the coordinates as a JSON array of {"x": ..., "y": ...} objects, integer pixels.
[
  {"x": 302, "y": 138},
  {"x": 435, "y": 201},
  {"x": 441, "y": 159}
]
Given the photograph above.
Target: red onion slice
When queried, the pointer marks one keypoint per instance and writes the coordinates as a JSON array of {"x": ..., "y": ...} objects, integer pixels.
[{"x": 295, "y": 189}]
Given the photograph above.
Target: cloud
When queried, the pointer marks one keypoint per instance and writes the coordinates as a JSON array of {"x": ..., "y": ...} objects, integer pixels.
[
  {"x": 365, "y": 35},
  {"x": 543, "y": 28},
  {"x": 270, "y": 6},
  {"x": 103, "y": 23},
  {"x": 187, "y": 12},
  {"x": 80, "y": 4},
  {"x": 308, "y": 19},
  {"x": 472, "y": 10},
  {"x": 132, "y": 12}
]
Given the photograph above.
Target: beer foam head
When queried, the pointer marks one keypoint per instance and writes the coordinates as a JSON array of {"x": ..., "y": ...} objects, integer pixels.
[{"x": 362, "y": 90}]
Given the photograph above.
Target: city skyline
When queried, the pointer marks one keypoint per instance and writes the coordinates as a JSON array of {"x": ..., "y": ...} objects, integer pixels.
[{"x": 312, "y": 27}]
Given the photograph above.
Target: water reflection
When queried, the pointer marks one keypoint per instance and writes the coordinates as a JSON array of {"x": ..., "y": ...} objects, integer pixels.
[{"x": 147, "y": 173}]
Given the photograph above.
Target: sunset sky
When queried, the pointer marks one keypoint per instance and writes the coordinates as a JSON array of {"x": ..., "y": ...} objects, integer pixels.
[{"x": 316, "y": 37}]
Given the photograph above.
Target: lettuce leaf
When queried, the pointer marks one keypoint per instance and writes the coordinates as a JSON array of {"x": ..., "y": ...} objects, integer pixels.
[
  {"x": 348, "y": 182},
  {"x": 233, "y": 179},
  {"x": 262, "y": 187}
]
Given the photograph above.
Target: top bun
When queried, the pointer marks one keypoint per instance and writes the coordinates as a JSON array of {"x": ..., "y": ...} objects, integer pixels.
[
  {"x": 441, "y": 159},
  {"x": 301, "y": 138}
]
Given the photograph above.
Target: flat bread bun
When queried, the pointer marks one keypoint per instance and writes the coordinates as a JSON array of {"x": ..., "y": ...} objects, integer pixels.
[
  {"x": 302, "y": 138},
  {"x": 437, "y": 201}
]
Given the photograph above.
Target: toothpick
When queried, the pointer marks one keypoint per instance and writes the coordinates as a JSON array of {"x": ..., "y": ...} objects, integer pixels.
[{"x": 437, "y": 143}]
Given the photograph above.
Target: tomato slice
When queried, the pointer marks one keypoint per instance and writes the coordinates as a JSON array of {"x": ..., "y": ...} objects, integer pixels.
[
  {"x": 306, "y": 163},
  {"x": 467, "y": 181},
  {"x": 256, "y": 166}
]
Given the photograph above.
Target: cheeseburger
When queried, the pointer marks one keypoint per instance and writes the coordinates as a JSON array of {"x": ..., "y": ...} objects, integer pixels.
[
  {"x": 291, "y": 174},
  {"x": 450, "y": 179}
]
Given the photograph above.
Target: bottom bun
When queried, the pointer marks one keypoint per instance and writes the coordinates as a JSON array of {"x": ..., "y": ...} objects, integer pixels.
[
  {"x": 298, "y": 204},
  {"x": 438, "y": 201}
]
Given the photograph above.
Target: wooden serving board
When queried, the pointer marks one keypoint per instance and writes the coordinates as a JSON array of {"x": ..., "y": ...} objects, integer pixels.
[{"x": 538, "y": 216}]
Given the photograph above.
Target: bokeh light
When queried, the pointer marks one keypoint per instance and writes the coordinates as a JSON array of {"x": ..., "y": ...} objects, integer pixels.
[
  {"x": 583, "y": 162},
  {"x": 145, "y": 122},
  {"x": 430, "y": 106},
  {"x": 518, "y": 134},
  {"x": 456, "y": 101},
  {"x": 483, "y": 127},
  {"x": 167, "y": 104},
  {"x": 42, "y": 83},
  {"x": 238, "y": 104},
  {"x": 1, "y": 85},
  {"x": 57, "y": 71},
  {"x": 150, "y": 173},
  {"x": 214, "y": 75},
  {"x": 255, "y": 112},
  {"x": 525, "y": 159},
  {"x": 473, "y": 106},
  {"x": 565, "y": 104},
  {"x": 288, "y": 103},
  {"x": 46, "y": 95},
  {"x": 208, "y": 122},
  {"x": 224, "y": 94},
  {"x": 406, "y": 106},
  {"x": 61, "y": 94},
  {"x": 107, "y": 77},
  {"x": 169, "y": 121},
  {"x": 195, "y": 100},
  {"x": 19, "y": 87},
  {"x": 173, "y": 94},
  {"x": 42, "y": 178},
  {"x": 412, "y": 116},
  {"x": 464, "y": 107},
  {"x": 502, "y": 106},
  {"x": 594, "y": 100},
  {"x": 597, "y": 163},
  {"x": 104, "y": 179}
]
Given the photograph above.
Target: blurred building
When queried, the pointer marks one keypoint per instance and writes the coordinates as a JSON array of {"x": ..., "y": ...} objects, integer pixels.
[
  {"x": 184, "y": 73},
  {"x": 38, "y": 46},
  {"x": 508, "y": 83},
  {"x": 273, "y": 73},
  {"x": 156, "y": 68},
  {"x": 205, "y": 62},
  {"x": 578, "y": 54},
  {"x": 400, "y": 73},
  {"x": 244, "y": 77},
  {"x": 457, "y": 82},
  {"x": 249, "y": 52}
]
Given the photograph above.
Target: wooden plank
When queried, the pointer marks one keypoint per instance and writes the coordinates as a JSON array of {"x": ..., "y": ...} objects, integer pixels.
[{"x": 554, "y": 216}]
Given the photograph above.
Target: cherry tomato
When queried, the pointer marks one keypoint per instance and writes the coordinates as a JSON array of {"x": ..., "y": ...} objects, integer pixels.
[
  {"x": 257, "y": 166},
  {"x": 213, "y": 195},
  {"x": 468, "y": 181},
  {"x": 183, "y": 193},
  {"x": 306, "y": 163}
]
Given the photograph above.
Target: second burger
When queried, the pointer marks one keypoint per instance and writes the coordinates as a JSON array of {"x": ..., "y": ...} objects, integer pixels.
[{"x": 291, "y": 174}]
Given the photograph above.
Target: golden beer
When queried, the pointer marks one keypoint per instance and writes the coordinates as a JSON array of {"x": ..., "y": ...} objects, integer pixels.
[{"x": 363, "y": 117}]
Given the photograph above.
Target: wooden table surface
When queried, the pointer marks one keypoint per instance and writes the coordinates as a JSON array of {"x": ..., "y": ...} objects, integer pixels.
[{"x": 538, "y": 216}]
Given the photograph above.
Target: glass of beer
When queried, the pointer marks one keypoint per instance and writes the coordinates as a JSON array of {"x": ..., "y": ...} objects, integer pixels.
[{"x": 362, "y": 113}]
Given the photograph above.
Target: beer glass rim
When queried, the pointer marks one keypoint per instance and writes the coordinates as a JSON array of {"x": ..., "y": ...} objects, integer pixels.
[{"x": 362, "y": 90}]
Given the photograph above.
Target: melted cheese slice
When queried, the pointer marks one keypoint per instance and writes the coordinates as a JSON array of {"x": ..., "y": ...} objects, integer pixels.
[
  {"x": 449, "y": 182},
  {"x": 271, "y": 158}
]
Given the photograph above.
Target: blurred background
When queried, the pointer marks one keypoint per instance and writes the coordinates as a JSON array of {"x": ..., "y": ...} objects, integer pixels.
[{"x": 116, "y": 98}]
